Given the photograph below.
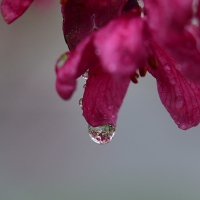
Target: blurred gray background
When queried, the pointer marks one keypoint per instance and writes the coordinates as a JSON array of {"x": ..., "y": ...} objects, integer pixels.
[{"x": 45, "y": 150}]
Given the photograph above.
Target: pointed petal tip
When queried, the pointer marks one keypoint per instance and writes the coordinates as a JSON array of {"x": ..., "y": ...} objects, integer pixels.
[
  {"x": 12, "y": 10},
  {"x": 65, "y": 91}
]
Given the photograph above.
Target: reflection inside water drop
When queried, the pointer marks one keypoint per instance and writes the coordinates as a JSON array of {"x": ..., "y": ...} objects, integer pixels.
[{"x": 101, "y": 134}]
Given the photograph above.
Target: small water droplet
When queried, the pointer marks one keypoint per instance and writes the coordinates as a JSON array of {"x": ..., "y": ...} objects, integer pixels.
[
  {"x": 167, "y": 68},
  {"x": 110, "y": 107},
  {"x": 80, "y": 102},
  {"x": 101, "y": 134},
  {"x": 175, "y": 117},
  {"x": 85, "y": 75},
  {"x": 113, "y": 116},
  {"x": 173, "y": 81},
  {"x": 61, "y": 60},
  {"x": 179, "y": 102},
  {"x": 191, "y": 121}
]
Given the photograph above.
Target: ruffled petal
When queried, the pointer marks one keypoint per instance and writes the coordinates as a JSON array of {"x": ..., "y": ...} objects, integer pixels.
[
  {"x": 120, "y": 45},
  {"x": 82, "y": 17},
  {"x": 166, "y": 16},
  {"x": 180, "y": 96},
  {"x": 103, "y": 96},
  {"x": 13, "y": 9}
]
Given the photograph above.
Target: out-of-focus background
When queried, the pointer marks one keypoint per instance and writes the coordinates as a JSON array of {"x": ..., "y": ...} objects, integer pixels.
[{"x": 45, "y": 150}]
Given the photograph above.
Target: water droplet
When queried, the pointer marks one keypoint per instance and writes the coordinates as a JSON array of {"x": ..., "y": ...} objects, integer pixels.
[
  {"x": 167, "y": 68},
  {"x": 173, "y": 81},
  {"x": 110, "y": 107},
  {"x": 179, "y": 102},
  {"x": 61, "y": 60},
  {"x": 191, "y": 121},
  {"x": 113, "y": 116},
  {"x": 85, "y": 75},
  {"x": 81, "y": 102},
  {"x": 175, "y": 117},
  {"x": 101, "y": 134}
]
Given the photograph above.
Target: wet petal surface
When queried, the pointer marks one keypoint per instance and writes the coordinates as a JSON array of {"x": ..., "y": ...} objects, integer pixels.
[
  {"x": 180, "y": 96},
  {"x": 103, "y": 97}
]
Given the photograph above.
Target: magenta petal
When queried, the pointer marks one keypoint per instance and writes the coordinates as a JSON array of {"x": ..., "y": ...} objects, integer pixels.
[
  {"x": 13, "y": 9},
  {"x": 120, "y": 45},
  {"x": 103, "y": 97},
  {"x": 185, "y": 49},
  {"x": 82, "y": 17},
  {"x": 70, "y": 66},
  {"x": 180, "y": 96},
  {"x": 168, "y": 15}
]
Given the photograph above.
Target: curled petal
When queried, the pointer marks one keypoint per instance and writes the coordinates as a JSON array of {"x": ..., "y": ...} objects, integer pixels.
[
  {"x": 120, "y": 45},
  {"x": 166, "y": 16},
  {"x": 13, "y": 9},
  {"x": 69, "y": 68},
  {"x": 180, "y": 96},
  {"x": 82, "y": 17},
  {"x": 103, "y": 97}
]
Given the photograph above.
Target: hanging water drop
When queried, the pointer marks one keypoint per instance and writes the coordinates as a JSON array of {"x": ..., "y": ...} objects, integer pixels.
[
  {"x": 101, "y": 134},
  {"x": 85, "y": 75}
]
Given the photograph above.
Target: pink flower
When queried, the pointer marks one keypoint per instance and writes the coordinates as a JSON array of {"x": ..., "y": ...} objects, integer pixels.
[{"x": 113, "y": 41}]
